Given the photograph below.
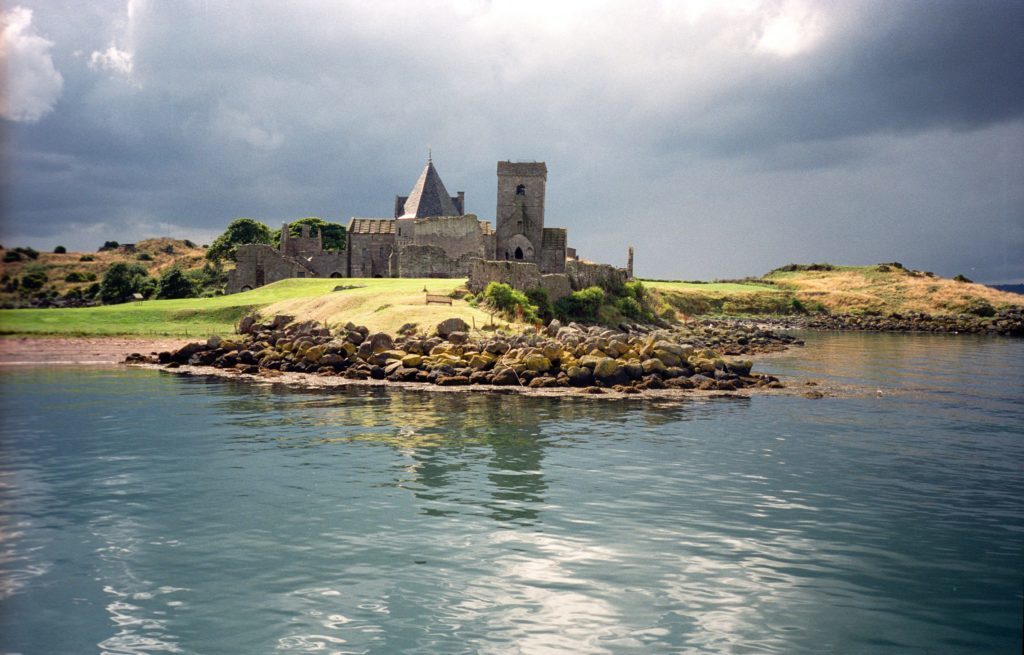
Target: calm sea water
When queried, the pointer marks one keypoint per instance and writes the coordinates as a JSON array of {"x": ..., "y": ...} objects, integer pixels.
[{"x": 149, "y": 513}]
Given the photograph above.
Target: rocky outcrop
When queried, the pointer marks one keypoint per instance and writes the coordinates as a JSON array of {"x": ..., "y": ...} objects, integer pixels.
[
  {"x": 629, "y": 360},
  {"x": 1008, "y": 322}
]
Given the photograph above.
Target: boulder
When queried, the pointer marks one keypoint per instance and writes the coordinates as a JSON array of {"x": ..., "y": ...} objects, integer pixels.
[
  {"x": 458, "y": 338},
  {"x": 653, "y": 365},
  {"x": 447, "y": 326},
  {"x": 580, "y": 376},
  {"x": 412, "y": 361},
  {"x": 537, "y": 363},
  {"x": 380, "y": 341},
  {"x": 245, "y": 325},
  {"x": 504, "y": 377}
]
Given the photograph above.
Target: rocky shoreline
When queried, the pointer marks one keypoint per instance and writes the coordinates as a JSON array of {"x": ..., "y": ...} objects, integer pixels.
[
  {"x": 1007, "y": 322},
  {"x": 587, "y": 359}
]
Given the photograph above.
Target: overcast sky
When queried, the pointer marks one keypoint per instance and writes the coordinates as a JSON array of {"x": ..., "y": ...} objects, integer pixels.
[{"x": 721, "y": 139}]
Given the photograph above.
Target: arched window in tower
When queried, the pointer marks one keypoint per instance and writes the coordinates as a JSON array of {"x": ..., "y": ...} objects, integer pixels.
[
  {"x": 519, "y": 253},
  {"x": 521, "y": 190}
]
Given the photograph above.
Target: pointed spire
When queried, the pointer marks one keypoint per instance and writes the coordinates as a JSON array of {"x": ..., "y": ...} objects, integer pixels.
[{"x": 428, "y": 196}]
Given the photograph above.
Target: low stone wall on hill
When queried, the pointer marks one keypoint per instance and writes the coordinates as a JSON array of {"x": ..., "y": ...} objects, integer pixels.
[{"x": 588, "y": 274}]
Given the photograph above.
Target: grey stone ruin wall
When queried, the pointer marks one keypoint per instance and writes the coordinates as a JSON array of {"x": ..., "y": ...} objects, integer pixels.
[
  {"x": 431, "y": 261},
  {"x": 588, "y": 274},
  {"x": 456, "y": 235},
  {"x": 259, "y": 264},
  {"x": 369, "y": 255},
  {"x": 552, "y": 258},
  {"x": 523, "y": 276},
  {"x": 328, "y": 264},
  {"x": 518, "y": 275}
]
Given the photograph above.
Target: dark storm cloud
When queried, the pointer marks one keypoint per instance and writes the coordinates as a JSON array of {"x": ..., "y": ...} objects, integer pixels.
[{"x": 778, "y": 128}]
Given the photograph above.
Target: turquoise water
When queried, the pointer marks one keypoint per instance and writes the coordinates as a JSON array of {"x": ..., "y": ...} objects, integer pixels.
[{"x": 149, "y": 513}]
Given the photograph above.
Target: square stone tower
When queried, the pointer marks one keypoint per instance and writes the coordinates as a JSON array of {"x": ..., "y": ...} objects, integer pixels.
[{"x": 519, "y": 217}]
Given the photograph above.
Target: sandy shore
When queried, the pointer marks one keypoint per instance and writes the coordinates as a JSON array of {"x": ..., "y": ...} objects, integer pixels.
[{"x": 78, "y": 351}]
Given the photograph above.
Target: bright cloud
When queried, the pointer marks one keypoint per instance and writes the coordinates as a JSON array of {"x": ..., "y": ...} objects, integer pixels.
[
  {"x": 33, "y": 83},
  {"x": 112, "y": 59}
]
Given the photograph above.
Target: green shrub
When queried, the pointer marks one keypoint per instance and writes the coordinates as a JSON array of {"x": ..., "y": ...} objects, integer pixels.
[
  {"x": 122, "y": 280},
  {"x": 109, "y": 245},
  {"x": 31, "y": 253},
  {"x": 630, "y": 308},
  {"x": 539, "y": 299},
  {"x": 60, "y": 250},
  {"x": 635, "y": 289},
  {"x": 76, "y": 276},
  {"x": 144, "y": 257},
  {"x": 176, "y": 284},
  {"x": 240, "y": 231},
  {"x": 962, "y": 278},
  {"x": 86, "y": 258},
  {"x": 580, "y": 305},
  {"x": 34, "y": 278},
  {"x": 514, "y": 304},
  {"x": 12, "y": 256}
]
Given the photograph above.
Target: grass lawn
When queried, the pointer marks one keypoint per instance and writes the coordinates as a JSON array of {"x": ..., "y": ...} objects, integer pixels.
[
  {"x": 377, "y": 303},
  {"x": 710, "y": 287}
]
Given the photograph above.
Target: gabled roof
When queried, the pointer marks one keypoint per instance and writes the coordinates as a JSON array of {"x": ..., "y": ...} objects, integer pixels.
[
  {"x": 429, "y": 197},
  {"x": 371, "y": 226}
]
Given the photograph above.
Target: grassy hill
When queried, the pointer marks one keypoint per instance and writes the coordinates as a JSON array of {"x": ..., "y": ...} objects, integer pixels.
[
  {"x": 881, "y": 289},
  {"x": 380, "y": 304},
  {"x": 155, "y": 255},
  {"x": 387, "y": 304}
]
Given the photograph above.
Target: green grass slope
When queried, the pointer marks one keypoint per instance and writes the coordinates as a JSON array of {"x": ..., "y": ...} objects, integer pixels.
[{"x": 381, "y": 304}]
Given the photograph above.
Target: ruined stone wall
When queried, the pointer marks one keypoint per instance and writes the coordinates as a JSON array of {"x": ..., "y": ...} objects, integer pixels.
[
  {"x": 431, "y": 261},
  {"x": 556, "y": 284},
  {"x": 552, "y": 257},
  {"x": 456, "y": 235},
  {"x": 588, "y": 274},
  {"x": 259, "y": 264},
  {"x": 369, "y": 255},
  {"x": 328, "y": 264},
  {"x": 518, "y": 275}
]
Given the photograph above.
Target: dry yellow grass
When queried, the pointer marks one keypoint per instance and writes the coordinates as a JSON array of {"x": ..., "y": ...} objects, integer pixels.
[
  {"x": 384, "y": 305},
  {"x": 867, "y": 288},
  {"x": 57, "y": 266}
]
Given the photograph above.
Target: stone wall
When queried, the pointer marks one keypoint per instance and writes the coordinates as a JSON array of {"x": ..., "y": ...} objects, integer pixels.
[
  {"x": 518, "y": 275},
  {"x": 552, "y": 257},
  {"x": 431, "y": 261},
  {"x": 456, "y": 235},
  {"x": 588, "y": 274},
  {"x": 523, "y": 276},
  {"x": 370, "y": 255},
  {"x": 259, "y": 264}
]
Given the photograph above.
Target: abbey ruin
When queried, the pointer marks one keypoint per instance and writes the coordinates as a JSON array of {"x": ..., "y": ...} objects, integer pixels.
[{"x": 430, "y": 235}]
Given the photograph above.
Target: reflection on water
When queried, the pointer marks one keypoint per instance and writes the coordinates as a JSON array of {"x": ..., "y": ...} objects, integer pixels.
[{"x": 144, "y": 513}]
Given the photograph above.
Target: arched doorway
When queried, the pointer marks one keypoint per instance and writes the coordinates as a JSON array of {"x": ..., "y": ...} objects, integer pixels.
[{"x": 519, "y": 253}]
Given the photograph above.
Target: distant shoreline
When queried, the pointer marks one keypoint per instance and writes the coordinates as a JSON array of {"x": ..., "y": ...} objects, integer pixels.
[{"x": 79, "y": 351}]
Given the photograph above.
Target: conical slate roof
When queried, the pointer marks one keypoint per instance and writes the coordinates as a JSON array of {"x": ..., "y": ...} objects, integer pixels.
[{"x": 429, "y": 197}]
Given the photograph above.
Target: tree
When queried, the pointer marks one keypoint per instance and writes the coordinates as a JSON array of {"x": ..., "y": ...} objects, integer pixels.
[
  {"x": 175, "y": 284},
  {"x": 332, "y": 235},
  {"x": 240, "y": 232},
  {"x": 34, "y": 278},
  {"x": 60, "y": 250},
  {"x": 121, "y": 281}
]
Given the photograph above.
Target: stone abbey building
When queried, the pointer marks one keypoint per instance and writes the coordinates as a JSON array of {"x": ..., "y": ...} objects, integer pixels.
[{"x": 430, "y": 235}]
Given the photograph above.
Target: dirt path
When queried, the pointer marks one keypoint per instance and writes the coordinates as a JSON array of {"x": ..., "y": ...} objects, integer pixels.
[{"x": 34, "y": 351}]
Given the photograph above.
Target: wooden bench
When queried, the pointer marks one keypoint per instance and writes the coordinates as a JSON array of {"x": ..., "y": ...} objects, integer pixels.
[{"x": 441, "y": 300}]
